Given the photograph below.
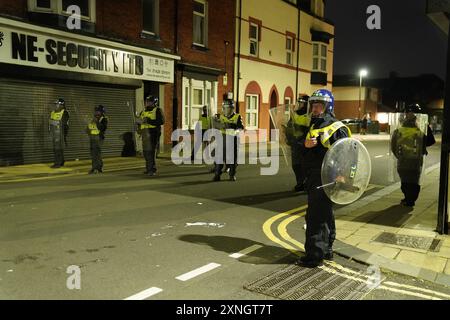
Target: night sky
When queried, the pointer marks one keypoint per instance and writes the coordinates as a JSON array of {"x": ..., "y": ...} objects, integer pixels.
[{"x": 408, "y": 42}]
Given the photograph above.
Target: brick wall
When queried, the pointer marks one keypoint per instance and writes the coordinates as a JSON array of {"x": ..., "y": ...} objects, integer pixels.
[{"x": 15, "y": 8}]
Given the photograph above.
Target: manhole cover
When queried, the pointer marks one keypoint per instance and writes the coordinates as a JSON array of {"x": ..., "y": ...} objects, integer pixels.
[
  {"x": 424, "y": 243},
  {"x": 324, "y": 283}
]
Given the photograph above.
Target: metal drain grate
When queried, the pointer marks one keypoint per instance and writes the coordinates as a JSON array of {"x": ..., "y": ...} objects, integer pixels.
[
  {"x": 424, "y": 243},
  {"x": 297, "y": 283}
]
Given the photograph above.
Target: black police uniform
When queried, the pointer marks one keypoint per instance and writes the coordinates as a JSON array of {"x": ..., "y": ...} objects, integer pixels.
[
  {"x": 59, "y": 128},
  {"x": 320, "y": 223},
  {"x": 298, "y": 128},
  {"x": 233, "y": 122},
  {"x": 409, "y": 165},
  {"x": 96, "y": 131},
  {"x": 150, "y": 129}
]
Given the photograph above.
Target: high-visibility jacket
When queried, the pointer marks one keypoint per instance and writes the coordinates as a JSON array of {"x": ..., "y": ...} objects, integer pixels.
[
  {"x": 93, "y": 129},
  {"x": 150, "y": 115},
  {"x": 229, "y": 124},
  {"x": 409, "y": 143},
  {"x": 300, "y": 124},
  {"x": 56, "y": 117},
  {"x": 326, "y": 133},
  {"x": 205, "y": 121}
]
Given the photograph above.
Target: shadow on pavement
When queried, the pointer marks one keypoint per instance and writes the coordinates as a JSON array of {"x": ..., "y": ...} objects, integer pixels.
[
  {"x": 394, "y": 216},
  {"x": 264, "y": 255}
]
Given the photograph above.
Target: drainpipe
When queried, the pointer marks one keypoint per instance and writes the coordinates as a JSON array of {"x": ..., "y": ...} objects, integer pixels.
[
  {"x": 239, "y": 56},
  {"x": 298, "y": 55},
  {"x": 175, "y": 83}
]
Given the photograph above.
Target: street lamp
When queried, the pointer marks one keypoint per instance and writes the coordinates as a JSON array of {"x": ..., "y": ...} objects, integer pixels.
[{"x": 362, "y": 73}]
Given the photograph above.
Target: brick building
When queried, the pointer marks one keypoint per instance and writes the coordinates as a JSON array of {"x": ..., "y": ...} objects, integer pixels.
[{"x": 180, "y": 51}]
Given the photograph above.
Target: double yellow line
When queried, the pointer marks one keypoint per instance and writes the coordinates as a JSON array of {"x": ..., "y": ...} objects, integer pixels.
[{"x": 287, "y": 241}]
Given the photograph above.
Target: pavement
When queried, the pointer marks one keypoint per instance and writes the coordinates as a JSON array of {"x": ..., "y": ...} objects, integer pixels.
[{"x": 150, "y": 233}]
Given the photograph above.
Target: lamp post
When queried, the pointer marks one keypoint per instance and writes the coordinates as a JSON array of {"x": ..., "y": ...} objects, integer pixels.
[{"x": 362, "y": 73}]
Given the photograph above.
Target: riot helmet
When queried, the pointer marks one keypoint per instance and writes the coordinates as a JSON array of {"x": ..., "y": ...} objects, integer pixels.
[
  {"x": 228, "y": 107},
  {"x": 302, "y": 104},
  {"x": 99, "y": 110},
  {"x": 60, "y": 104},
  {"x": 324, "y": 97},
  {"x": 151, "y": 101}
]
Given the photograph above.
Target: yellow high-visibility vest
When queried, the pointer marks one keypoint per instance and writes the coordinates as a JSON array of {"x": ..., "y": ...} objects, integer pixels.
[
  {"x": 301, "y": 122},
  {"x": 57, "y": 115},
  {"x": 227, "y": 121},
  {"x": 205, "y": 121},
  {"x": 93, "y": 130},
  {"x": 410, "y": 142},
  {"x": 326, "y": 133},
  {"x": 148, "y": 114}
]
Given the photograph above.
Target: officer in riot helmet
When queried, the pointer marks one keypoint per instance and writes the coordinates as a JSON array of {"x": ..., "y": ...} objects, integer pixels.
[
  {"x": 323, "y": 131},
  {"x": 150, "y": 121},
  {"x": 408, "y": 144},
  {"x": 96, "y": 130},
  {"x": 296, "y": 130},
  {"x": 229, "y": 123},
  {"x": 59, "y": 128}
]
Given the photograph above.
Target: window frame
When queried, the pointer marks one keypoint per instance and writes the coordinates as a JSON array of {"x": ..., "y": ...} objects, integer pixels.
[
  {"x": 319, "y": 57},
  {"x": 255, "y": 39},
  {"x": 248, "y": 111},
  {"x": 57, "y": 8},
  {"x": 188, "y": 107},
  {"x": 290, "y": 52},
  {"x": 156, "y": 19},
  {"x": 205, "y": 17}
]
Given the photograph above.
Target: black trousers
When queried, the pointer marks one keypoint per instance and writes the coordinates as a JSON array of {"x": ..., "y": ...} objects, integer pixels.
[
  {"x": 228, "y": 161},
  {"x": 58, "y": 148},
  {"x": 410, "y": 179},
  {"x": 320, "y": 222},
  {"x": 96, "y": 152},
  {"x": 297, "y": 165},
  {"x": 149, "y": 145}
]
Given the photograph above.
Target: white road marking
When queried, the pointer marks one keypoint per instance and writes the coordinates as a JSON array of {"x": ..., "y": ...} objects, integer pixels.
[
  {"x": 145, "y": 294},
  {"x": 394, "y": 284},
  {"x": 380, "y": 156},
  {"x": 244, "y": 252},
  {"x": 197, "y": 272}
]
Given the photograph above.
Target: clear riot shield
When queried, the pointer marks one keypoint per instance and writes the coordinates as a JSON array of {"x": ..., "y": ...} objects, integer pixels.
[
  {"x": 407, "y": 147},
  {"x": 346, "y": 171},
  {"x": 281, "y": 117}
]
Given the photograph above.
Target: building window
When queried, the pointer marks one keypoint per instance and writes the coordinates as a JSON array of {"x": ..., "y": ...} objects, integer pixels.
[
  {"x": 150, "y": 16},
  {"x": 319, "y": 57},
  {"x": 196, "y": 94},
  {"x": 317, "y": 8},
  {"x": 43, "y": 4},
  {"x": 87, "y": 7},
  {"x": 289, "y": 50},
  {"x": 251, "y": 111},
  {"x": 254, "y": 39},
  {"x": 200, "y": 23}
]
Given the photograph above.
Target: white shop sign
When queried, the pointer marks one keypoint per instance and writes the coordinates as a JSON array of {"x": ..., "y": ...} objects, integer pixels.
[{"x": 29, "y": 48}]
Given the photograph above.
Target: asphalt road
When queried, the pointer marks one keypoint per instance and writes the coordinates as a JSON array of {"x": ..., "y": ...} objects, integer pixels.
[{"x": 127, "y": 234}]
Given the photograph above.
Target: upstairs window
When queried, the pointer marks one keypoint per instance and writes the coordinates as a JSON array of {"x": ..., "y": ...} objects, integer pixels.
[
  {"x": 150, "y": 16},
  {"x": 200, "y": 23},
  {"x": 254, "y": 39},
  {"x": 289, "y": 50},
  {"x": 59, "y": 7},
  {"x": 317, "y": 8},
  {"x": 319, "y": 57}
]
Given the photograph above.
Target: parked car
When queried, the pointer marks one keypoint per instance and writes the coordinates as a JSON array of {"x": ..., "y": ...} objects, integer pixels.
[{"x": 353, "y": 124}]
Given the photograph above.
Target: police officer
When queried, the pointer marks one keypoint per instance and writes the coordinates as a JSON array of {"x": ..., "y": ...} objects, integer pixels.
[
  {"x": 205, "y": 122},
  {"x": 324, "y": 130},
  {"x": 297, "y": 127},
  {"x": 408, "y": 144},
  {"x": 58, "y": 128},
  {"x": 96, "y": 131},
  {"x": 150, "y": 122},
  {"x": 229, "y": 123}
]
